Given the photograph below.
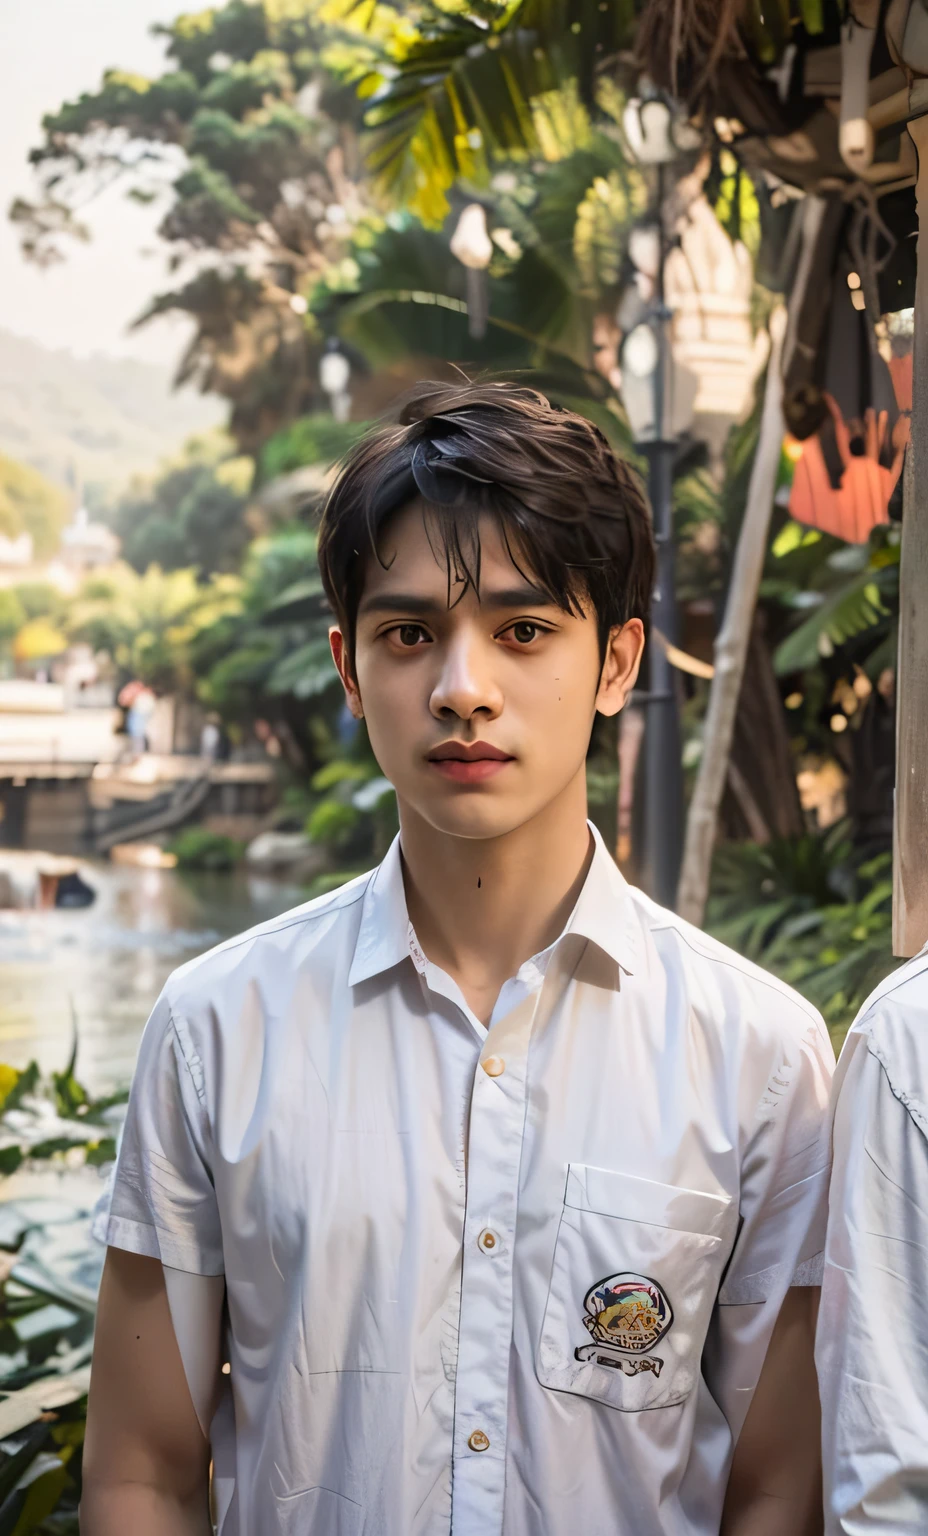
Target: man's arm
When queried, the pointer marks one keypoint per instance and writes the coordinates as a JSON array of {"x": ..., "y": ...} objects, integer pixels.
[
  {"x": 146, "y": 1460},
  {"x": 775, "y": 1487}
]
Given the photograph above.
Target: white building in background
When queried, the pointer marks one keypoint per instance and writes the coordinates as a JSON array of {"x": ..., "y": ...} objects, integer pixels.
[
  {"x": 708, "y": 281},
  {"x": 85, "y": 545},
  {"x": 16, "y": 555}
]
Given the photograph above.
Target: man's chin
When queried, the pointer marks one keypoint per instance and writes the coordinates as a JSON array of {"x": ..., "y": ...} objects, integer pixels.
[{"x": 475, "y": 816}]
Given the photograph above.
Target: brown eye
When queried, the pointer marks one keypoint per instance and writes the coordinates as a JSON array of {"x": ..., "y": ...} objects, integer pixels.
[
  {"x": 409, "y": 634},
  {"x": 524, "y": 632}
]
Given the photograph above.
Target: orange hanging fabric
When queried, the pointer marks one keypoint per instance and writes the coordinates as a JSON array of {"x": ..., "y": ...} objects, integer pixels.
[{"x": 861, "y": 500}]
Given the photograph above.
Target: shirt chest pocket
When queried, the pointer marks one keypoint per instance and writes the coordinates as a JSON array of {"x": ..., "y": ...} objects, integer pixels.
[{"x": 637, "y": 1267}]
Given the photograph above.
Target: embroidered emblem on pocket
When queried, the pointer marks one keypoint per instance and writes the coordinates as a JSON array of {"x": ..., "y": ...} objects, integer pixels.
[{"x": 626, "y": 1315}]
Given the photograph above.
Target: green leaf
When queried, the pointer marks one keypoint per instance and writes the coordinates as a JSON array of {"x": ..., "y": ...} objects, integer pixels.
[
  {"x": 792, "y": 536},
  {"x": 852, "y": 608},
  {"x": 332, "y": 824},
  {"x": 13, "y": 1469},
  {"x": 10, "y": 1159},
  {"x": 813, "y": 17},
  {"x": 101, "y": 1152},
  {"x": 308, "y": 671},
  {"x": 299, "y": 602},
  {"x": 42, "y": 1496},
  {"x": 45, "y": 1149},
  {"x": 341, "y": 772},
  {"x": 26, "y": 1083}
]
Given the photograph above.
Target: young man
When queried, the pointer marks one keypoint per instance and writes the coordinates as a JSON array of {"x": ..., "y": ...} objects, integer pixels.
[
  {"x": 872, "y": 1344},
  {"x": 507, "y": 1177}
]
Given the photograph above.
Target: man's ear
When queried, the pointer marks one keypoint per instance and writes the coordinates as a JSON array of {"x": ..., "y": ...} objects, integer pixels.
[
  {"x": 620, "y": 667},
  {"x": 340, "y": 658}
]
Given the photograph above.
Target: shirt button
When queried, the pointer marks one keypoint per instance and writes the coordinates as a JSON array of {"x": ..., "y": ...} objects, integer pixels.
[
  {"x": 493, "y": 1066},
  {"x": 488, "y": 1241},
  {"x": 478, "y": 1441}
]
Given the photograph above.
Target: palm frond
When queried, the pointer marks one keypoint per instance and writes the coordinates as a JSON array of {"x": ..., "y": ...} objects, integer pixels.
[
  {"x": 470, "y": 87},
  {"x": 305, "y": 672},
  {"x": 852, "y": 608}
]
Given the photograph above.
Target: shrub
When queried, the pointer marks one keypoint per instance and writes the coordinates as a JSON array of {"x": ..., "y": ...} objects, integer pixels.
[
  {"x": 333, "y": 824},
  {"x": 806, "y": 911},
  {"x": 199, "y": 848}
]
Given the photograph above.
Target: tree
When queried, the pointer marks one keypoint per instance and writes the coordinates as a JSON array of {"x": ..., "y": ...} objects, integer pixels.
[
  {"x": 12, "y": 617},
  {"x": 150, "y": 623},
  {"x": 257, "y": 181},
  {"x": 482, "y": 82},
  {"x": 191, "y": 514},
  {"x": 31, "y": 504}
]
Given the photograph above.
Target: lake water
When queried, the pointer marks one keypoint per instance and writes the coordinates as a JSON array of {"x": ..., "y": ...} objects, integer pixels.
[{"x": 108, "y": 962}]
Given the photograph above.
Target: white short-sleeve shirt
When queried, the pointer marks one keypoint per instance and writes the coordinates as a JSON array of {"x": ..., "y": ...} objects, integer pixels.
[
  {"x": 512, "y": 1279},
  {"x": 872, "y": 1343}
]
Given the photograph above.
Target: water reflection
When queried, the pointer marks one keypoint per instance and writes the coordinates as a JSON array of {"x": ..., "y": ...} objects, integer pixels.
[{"x": 111, "y": 960}]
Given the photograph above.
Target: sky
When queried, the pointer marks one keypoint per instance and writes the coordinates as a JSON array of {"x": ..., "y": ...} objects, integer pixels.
[{"x": 50, "y": 51}]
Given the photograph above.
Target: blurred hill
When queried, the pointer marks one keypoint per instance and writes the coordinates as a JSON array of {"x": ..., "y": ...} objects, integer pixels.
[{"x": 105, "y": 417}]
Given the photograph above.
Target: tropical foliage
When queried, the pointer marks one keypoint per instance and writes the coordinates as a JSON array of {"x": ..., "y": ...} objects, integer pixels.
[
  {"x": 150, "y": 624},
  {"x": 201, "y": 848},
  {"x": 49, "y": 1273},
  {"x": 813, "y": 912},
  {"x": 32, "y": 505},
  {"x": 191, "y": 514}
]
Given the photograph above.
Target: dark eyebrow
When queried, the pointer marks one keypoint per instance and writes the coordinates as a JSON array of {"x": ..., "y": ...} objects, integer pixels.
[
  {"x": 398, "y": 602},
  {"x": 406, "y": 602},
  {"x": 526, "y": 596}
]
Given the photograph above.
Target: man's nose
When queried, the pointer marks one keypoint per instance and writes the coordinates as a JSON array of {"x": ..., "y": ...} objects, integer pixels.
[{"x": 466, "y": 684}]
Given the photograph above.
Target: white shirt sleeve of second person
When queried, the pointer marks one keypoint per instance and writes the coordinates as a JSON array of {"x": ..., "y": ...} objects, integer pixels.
[
  {"x": 872, "y": 1344},
  {"x": 161, "y": 1202}
]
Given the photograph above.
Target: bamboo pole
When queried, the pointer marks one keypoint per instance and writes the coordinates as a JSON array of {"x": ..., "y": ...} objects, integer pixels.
[
  {"x": 733, "y": 639},
  {"x": 731, "y": 644},
  {"x": 910, "y": 822}
]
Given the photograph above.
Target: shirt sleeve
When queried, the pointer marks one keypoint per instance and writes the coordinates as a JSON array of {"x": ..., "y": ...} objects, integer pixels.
[
  {"x": 783, "y": 1212},
  {"x": 784, "y": 1177},
  {"x": 872, "y": 1342},
  {"x": 161, "y": 1201}
]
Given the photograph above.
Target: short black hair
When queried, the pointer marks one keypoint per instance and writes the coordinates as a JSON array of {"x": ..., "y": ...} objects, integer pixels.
[{"x": 572, "y": 514}]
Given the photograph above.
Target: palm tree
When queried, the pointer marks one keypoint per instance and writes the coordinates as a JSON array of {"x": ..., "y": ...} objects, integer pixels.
[
  {"x": 150, "y": 623},
  {"x": 484, "y": 82}
]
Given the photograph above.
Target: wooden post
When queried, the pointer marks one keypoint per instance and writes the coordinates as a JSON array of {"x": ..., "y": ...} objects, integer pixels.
[
  {"x": 731, "y": 645},
  {"x": 910, "y": 828}
]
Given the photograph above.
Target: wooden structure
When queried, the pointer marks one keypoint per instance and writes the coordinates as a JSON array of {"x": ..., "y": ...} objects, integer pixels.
[
  {"x": 910, "y": 831},
  {"x": 832, "y": 100},
  {"x": 77, "y": 807}
]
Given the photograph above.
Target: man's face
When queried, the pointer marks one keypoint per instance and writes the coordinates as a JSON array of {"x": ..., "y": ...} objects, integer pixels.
[{"x": 480, "y": 712}]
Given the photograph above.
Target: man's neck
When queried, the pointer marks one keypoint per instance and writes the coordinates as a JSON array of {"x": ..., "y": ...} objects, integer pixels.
[{"x": 482, "y": 906}]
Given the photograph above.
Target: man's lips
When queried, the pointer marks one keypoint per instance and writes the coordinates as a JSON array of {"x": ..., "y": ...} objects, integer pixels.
[{"x": 468, "y": 763}]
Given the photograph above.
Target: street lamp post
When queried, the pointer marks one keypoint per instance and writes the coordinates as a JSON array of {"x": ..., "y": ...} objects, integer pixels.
[
  {"x": 663, "y": 808},
  {"x": 472, "y": 246},
  {"x": 335, "y": 376},
  {"x": 658, "y": 399}
]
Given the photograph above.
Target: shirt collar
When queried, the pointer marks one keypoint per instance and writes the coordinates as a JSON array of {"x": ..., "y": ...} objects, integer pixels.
[
  {"x": 383, "y": 938},
  {"x": 604, "y": 914}
]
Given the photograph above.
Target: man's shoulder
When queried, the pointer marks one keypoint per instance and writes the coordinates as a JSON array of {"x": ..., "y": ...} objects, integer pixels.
[
  {"x": 739, "y": 990},
  {"x": 273, "y": 949},
  {"x": 893, "y": 1024}
]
